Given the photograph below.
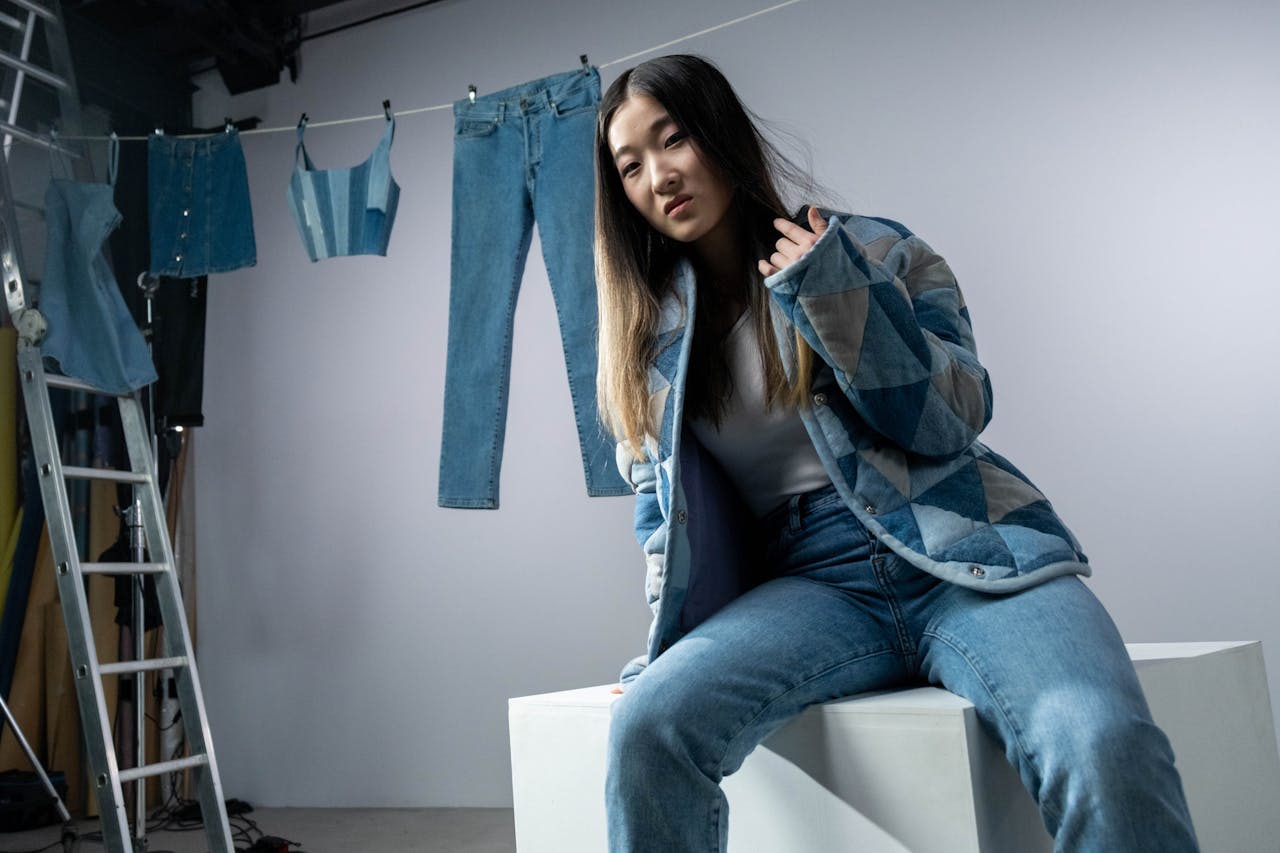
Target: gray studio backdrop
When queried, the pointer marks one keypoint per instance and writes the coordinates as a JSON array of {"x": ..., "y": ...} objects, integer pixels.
[{"x": 1101, "y": 176}]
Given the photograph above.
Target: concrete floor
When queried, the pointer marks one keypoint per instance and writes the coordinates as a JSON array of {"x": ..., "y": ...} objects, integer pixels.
[{"x": 320, "y": 831}]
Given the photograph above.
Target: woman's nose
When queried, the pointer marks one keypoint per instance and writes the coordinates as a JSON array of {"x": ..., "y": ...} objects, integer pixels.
[{"x": 661, "y": 176}]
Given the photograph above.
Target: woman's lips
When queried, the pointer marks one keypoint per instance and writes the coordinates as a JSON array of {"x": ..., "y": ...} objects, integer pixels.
[{"x": 677, "y": 205}]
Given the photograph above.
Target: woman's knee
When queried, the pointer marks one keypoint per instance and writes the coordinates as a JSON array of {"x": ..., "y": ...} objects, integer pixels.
[
  {"x": 1099, "y": 744},
  {"x": 643, "y": 719}
]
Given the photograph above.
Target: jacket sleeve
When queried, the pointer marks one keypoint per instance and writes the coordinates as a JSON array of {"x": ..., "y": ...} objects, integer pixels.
[{"x": 890, "y": 321}]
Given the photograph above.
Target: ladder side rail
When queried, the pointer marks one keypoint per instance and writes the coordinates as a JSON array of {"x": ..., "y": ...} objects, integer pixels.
[
  {"x": 75, "y": 608},
  {"x": 19, "y": 79},
  {"x": 64, "y": 69},
  {"x": 177, "y": 636},
  {"x": 10, "y": 253}
]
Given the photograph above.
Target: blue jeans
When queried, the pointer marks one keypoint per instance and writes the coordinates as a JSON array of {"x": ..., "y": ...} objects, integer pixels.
[
  {"x": 520, "y": 155},
  {"x": 1045, "y": 668}
]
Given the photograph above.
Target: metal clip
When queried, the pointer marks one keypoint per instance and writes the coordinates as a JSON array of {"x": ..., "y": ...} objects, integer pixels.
[{"x": 471, "y": 93}]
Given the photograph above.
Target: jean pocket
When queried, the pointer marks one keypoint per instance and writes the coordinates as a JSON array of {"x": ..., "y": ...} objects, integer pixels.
[
  {"x": 471, "y": 127},
  {"x": 574, "y": 102}
]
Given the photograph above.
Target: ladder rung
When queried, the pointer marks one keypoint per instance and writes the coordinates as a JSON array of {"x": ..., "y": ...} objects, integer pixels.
[
  {"x": 148, "y": 665},
  {"x": 41, "y": 10},
  {"x": 35, "y": 72},
  {"x": 56, "y": 380},
  {"x": 12, "y": 22},
  {"x": 123, "y": 568},
  {"x": 34, "y": 139},
  {"x": 26, "y": 205},
  {"x": 163, "y": 767},
  {"x": 74, "y": 473}
]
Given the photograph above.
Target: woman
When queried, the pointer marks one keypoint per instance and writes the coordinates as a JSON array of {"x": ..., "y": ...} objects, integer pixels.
[{"x": 797, "y": 405}]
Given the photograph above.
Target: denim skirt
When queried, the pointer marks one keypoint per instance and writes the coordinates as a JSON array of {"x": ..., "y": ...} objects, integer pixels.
[{"x": 198, "y": 204}]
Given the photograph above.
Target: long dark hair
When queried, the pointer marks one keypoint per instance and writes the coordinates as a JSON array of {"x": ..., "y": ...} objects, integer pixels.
[{"x": 634, "y": 263}]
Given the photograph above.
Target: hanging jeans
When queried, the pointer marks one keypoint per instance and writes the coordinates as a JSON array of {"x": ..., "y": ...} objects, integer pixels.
[
  {"x": 841, "y": 614},
  {"x": 92, "y": 335},
  {"x": 520, "y": 155}
]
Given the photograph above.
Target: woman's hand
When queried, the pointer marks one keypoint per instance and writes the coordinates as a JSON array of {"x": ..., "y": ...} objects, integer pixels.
[{"x": 795, "y": 242}]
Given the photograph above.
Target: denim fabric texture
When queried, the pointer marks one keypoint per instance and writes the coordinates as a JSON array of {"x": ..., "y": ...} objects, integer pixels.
[
  {"x": 897, "y": 400},
  {"x": 345, "y": 211},
  {"x": 839, "y": 614},
  {"x": 521, "y": 155},
  {"x": 92, "y": 335},
  {"x": 198, "y": 205}
]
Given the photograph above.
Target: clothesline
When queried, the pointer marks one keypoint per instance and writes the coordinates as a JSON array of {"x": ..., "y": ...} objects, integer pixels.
[{"x": 416, "y": 110}]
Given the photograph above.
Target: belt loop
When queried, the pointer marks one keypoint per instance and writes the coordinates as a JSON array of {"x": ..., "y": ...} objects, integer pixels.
[{"x": 794, "y": 513}]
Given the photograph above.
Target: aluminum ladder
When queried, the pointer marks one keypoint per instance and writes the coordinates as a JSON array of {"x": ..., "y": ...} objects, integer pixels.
[{"x": 27, "y": 18}]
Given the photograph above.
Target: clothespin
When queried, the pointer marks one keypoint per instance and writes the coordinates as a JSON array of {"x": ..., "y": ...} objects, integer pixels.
[
  {"x": 586, "y": 66},
  {"x": 471, "y": 92},
  {"x": 386, "y": 109},
  {"x": 230, "y": 125},
  {"x": 159, "y": 130},
  {"x": 302, "y": 122}
]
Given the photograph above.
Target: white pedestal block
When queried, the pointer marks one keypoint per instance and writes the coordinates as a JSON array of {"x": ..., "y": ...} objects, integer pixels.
[{"x": 912, "y": 771}]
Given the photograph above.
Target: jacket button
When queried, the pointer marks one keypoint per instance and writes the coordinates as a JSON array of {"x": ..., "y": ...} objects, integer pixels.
[
  {"x": 820, "y": 399},
  {"x": 682, "y": 516},
  {"x": 977, "y": 571}
]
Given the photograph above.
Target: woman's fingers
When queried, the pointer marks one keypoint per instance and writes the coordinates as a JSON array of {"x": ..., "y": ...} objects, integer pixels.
[
  {"x": 795, "y": 241},
  {"x": 816, "y": 222}
]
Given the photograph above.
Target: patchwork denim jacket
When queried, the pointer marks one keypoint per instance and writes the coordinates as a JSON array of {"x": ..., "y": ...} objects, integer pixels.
[{"x": 898, "y": 399}]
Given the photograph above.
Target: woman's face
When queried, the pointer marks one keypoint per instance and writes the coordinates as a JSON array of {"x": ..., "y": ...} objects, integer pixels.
[{"x": 665, "y": 175}]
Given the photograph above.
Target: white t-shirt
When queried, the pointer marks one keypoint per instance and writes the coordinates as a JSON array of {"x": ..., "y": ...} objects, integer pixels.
[{"x": 766, "y": 453}]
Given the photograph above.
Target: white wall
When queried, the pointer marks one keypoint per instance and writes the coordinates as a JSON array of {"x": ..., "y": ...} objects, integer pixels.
[{"x": 1102, "y": 178}]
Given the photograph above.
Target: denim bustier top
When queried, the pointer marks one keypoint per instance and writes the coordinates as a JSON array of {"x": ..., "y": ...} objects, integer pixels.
[{"x": 345, "y": 211}]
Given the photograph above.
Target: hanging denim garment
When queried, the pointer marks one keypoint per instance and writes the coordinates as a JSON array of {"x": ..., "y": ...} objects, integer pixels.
[
  {"x": 92, "y": 335},
  {"x": 521, "y": 156},
  {"x": 345, "y": 211},
  {"x": 198, "y": 205}
]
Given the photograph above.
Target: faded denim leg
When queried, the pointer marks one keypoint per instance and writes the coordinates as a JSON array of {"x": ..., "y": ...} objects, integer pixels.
[
  {"x": 519, "y": 152},
  {"x": 564, "y": 207},
  {"x": 492, "y": 227},
  {"x": 1051, "y": 679},
  {"x": 819, "y": 632}
]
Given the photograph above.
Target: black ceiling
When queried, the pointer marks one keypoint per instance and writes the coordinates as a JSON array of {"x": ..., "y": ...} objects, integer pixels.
[{"x": 250, "y": 43}]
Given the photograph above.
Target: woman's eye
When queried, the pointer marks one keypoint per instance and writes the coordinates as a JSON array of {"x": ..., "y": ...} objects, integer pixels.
[
  {"x": 675, "y": 137},
  {"x": 629, "y": 168}
]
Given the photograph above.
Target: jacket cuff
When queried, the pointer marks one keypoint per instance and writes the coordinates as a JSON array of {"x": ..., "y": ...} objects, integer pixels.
[{"x": 779, "y": 279}]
